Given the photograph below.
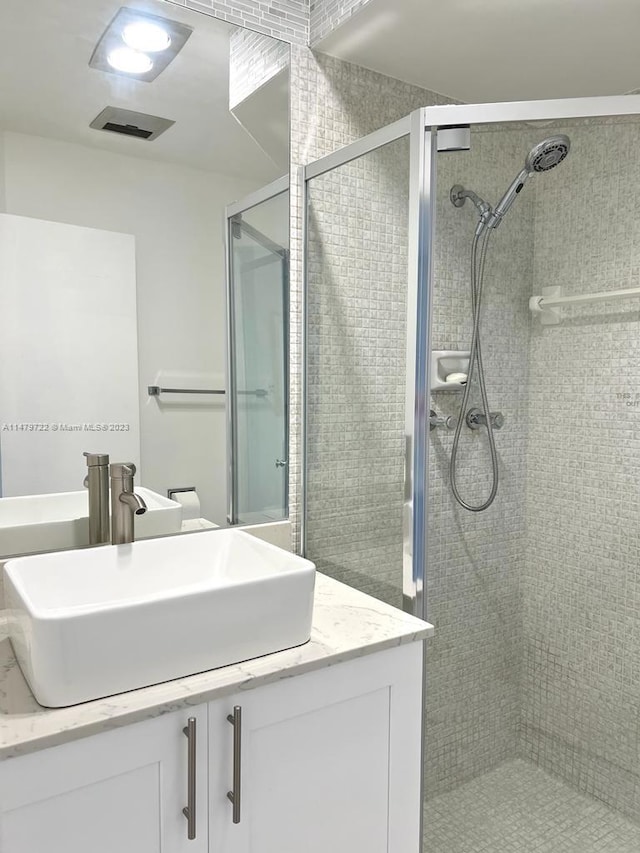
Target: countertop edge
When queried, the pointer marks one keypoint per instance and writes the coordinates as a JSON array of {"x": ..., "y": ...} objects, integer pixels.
[{"x": 402, "y": 629}]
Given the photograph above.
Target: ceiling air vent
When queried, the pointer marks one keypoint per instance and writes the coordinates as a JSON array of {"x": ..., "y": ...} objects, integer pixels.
[{"x": 130, "y": 123}]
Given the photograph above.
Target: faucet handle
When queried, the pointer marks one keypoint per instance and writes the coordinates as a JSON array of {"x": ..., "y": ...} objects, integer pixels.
[
  {"x": 94, "y": 459},
  {"x": 122, "y": 470}
]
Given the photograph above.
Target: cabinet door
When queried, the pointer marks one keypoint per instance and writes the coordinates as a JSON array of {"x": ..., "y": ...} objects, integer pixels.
[
  {"x": 121, "y": 791},
  {"x": 330, "y": 761}
]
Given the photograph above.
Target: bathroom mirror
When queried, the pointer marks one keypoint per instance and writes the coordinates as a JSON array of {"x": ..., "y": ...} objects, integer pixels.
[{"x": 144, "y": 152}]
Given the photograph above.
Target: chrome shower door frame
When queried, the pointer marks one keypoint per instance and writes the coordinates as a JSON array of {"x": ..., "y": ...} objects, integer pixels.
[
  {"x": 420, "y": 216},
  {"x": 422, "y": 127},
  {"x": 428, "y": 122},
  {"x": 281, "y": 185}
]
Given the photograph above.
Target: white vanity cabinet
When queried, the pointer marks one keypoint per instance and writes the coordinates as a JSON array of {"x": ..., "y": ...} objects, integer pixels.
[
  {"x": 330, "y": 761},
  {"x": 121, "y": 791},
  {"x": 327, "y": 760}
]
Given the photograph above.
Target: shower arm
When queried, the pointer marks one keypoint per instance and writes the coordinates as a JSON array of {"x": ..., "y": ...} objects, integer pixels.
[{"x": 458, "y": 197}]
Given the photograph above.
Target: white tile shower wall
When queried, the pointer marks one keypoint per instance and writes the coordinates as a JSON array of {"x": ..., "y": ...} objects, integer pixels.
[
  {"x": 356, "y": 349},
  {"x": 326, "y": 15},
  {"x": 356, "y": 408},
  {"x": 473, "y": 598},
  {"x": 282, "y": 19},
  {"x": 333, "y": 103},
  {"x": 474, "y": 559},
  {"x": 254, "y": 59},
  {"x": 356, "y": 390},
  {"x": 581, "y": 584}
]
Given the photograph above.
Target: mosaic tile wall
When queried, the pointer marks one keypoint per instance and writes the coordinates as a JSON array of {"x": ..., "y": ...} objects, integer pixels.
[
  {"x": 254, "y": 59},
  {"x": 300, "y": 22},
  {"x": 475, "y": 559},
  {"x": 283, "y": 19},
  {"x": 326, "y": 15},
  {"x": 537, "y": 649},
  {"x": 356, "y": 339},
  {"x": 356, "y": 403},
  {"x": 356, "y": 346},
  {"x": 581, "y": 580}
]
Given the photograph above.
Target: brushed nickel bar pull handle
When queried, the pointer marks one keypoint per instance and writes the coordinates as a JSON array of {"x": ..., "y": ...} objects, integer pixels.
[
  {"x": 189, "y": 811},
  {"x": 235, "y": 795}
]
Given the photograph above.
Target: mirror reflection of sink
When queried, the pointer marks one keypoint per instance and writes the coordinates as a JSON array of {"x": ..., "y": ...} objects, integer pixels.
[
  {"x": 52, "y": 522},
  {"x": 99, "y": 621}
]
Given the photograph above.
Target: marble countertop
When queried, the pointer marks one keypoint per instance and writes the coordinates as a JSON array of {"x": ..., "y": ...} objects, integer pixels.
[{"x": 346, "y": 624}]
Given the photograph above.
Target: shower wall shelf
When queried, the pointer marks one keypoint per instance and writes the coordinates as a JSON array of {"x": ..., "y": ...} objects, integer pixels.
[
  {"x": 446, "y": 363},
  {"x": 547, "y": 305}
]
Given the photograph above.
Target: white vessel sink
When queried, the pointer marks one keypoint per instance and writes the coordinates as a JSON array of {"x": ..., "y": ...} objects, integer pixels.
[
  {"x": 34, "y": 523},
  {"x": 90, "y": 623}
]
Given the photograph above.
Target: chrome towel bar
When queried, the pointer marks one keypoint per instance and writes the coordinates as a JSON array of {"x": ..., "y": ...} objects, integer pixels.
[{"x": 156, "y": 391}]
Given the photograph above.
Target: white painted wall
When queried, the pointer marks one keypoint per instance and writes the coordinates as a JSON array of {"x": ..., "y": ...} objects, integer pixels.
[
  {"x": 176, "y": 216},
  {"x": 63, "y": 290},
  {"x": 272, "y": 219},
  {"x": 2, "y": 188}
]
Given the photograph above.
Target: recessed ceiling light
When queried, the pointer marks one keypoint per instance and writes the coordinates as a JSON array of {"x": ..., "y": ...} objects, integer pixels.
[
  {"x": 146, "y": 36},
  {"x": 129, "y": 61},
  {"x": 124, "y": 47}
]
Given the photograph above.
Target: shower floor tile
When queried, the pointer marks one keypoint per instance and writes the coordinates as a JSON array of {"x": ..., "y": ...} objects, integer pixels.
[{"x": 518, "y": 808}]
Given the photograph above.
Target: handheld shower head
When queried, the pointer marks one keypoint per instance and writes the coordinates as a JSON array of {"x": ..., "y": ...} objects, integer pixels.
[
  {"x": 544, "y": 156},
  {"x": 547, "y": 154}
]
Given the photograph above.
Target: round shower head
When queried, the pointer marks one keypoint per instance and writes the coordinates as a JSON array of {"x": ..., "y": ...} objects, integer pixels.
[{"x": 547, "y": 154}]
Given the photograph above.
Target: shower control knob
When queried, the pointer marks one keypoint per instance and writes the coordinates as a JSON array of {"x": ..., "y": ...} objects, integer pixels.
[
  {"x": 448, "y": 422},
  {"x": 476, "y": 419}
]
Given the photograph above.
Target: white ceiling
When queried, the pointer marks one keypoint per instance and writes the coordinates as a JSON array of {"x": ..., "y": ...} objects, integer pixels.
[
  {"x": 48, "y": 89},
  {"x": 498, "y": 50}
]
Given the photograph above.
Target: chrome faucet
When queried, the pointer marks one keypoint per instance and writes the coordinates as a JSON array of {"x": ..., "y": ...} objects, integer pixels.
[
  {"x": 124, "y": 502},
  {"x": 97, "y": 481}
]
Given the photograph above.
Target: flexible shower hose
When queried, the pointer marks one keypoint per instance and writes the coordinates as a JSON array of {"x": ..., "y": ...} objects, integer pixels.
[{"x": 475, "y": 357}]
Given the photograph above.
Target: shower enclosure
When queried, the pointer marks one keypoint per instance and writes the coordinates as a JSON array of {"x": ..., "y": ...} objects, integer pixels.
[
  {"x": 257, "y": 239},
  {"x": 532, "y": 701}
]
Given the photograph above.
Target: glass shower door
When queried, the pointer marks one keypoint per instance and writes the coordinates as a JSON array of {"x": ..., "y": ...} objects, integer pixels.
[
  {"x": 258, "y": 296},
  {"x": 357, "y": 303}
]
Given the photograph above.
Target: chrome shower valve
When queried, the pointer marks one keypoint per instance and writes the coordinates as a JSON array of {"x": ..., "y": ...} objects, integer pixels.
[
  {"x": 448, "y": 422},
  {"x": 476, "y": 419}
]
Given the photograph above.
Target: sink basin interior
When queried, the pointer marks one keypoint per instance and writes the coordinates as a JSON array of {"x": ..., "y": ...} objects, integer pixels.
[
  {"x": 39, "y": 509},
  {"x": 116, "y": 576}
]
